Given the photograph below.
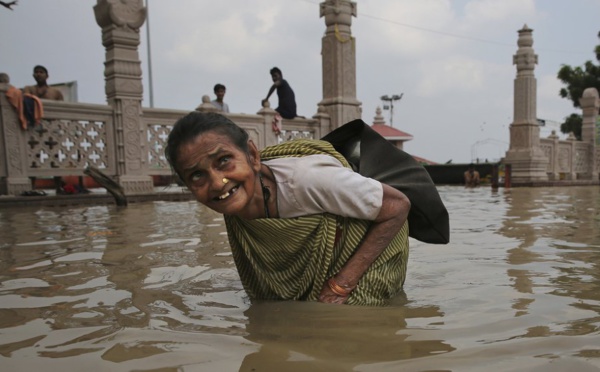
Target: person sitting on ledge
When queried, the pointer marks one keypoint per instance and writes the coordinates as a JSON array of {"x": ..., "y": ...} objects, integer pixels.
[
  {"x": 42, "y": 89},
  {"x": 301, "y": 223},
  {"x": 287, "y": 98}
]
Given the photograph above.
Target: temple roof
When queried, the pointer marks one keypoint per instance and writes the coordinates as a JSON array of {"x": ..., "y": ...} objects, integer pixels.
[
  {"x": 393, "y": 134},
  {"x": 390, "y": 133},
  {"x": 387, "y": 131}
]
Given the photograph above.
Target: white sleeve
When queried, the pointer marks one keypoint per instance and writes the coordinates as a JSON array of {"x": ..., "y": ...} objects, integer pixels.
[{"x": 320, "y": 183}]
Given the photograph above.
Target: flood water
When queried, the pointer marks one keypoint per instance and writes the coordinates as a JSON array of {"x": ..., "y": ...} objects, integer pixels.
[{"x": 152, "y": 287}]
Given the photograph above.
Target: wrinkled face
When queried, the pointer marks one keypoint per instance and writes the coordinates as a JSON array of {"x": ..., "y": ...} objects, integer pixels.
[
  {"x": 205, "y": 161},
  {"x": 220, "y": 93},
  {"x": 40, "y": 75}
]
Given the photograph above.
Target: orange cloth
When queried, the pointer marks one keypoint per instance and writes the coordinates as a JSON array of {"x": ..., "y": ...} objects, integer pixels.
[{"x": 15, "y": 97}]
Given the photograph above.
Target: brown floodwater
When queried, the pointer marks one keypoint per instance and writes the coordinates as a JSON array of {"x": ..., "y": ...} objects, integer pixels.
[{"x": 152, "y": 287}]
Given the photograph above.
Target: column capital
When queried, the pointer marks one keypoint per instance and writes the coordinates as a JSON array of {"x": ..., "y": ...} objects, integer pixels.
[
  {"x": 337, "y": 12},
  {"x": 124, "y": 14},
  {"x": 525, "y": 58},
  {"x": 589, "y": 99}
]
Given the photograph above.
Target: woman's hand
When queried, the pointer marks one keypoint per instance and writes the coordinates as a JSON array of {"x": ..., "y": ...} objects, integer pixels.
[
  {"x": 329, "y": 297},
  {"x": 391, "y": 218},
  {"x": 333, "y": 293}
]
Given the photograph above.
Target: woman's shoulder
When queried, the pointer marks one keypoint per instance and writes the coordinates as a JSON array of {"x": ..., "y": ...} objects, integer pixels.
[
  {"x": 301, "y": 148},
  {"x": 309, "y": 162}
]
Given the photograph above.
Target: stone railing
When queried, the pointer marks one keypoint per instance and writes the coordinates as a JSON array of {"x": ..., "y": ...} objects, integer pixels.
[
  {"x": 73, "y": 136},
  {"x": 259, "y": 128},
  {"x": 570, "y": 159},
  {"x": 70, "y": 137},
  {"x": 158, "y": 124},
  {"x": 567, "y": 159}
]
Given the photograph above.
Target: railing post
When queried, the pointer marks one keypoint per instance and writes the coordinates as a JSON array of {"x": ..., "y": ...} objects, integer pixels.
[
  {"x": 268, "y": 134},
  {"x": 13, "y": 151},
  {"x": 554, "y": 161},
  {"x": 572, "y": 141},
  {"x": 206, "y": 106}
]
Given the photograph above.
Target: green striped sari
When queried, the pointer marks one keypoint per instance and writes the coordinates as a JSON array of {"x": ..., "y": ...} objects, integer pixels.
[{"x": 291, "y": 258}]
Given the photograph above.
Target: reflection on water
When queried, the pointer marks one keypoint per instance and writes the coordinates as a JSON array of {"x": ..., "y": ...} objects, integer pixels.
[{"x": 152, "y": 287}]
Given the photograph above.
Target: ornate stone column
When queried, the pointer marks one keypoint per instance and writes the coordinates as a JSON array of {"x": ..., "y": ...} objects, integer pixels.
[
  {"x": 323, "y": 119},
  {"x": 120, "y": 21},
  {"x": 526, "y": 157},
  {"x": 338, "y": 53},
  {"x": 590, "y": 133},
  {"x": 13, "y": 151}
]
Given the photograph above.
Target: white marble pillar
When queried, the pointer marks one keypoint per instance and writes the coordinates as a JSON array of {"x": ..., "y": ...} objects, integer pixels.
[
  {"x": 120, "y": 21},
  {"x": 525, "y": 156},
  {"x": 338, "y": 53}
]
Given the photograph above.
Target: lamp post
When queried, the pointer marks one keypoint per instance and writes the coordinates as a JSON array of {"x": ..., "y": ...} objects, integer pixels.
[{"x": 391, "y": 100}]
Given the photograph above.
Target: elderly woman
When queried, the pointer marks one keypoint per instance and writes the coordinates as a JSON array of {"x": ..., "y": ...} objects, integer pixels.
[{"x": 301, "y": 223}]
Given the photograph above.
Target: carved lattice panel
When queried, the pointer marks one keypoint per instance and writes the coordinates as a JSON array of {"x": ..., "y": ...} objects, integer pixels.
[
  {"x": 548, "y": 150},
  {"x": 581, "y": 159},
  {"x": 67, "y": 144},
  {"x": 157, "y": 141},
  {"x": 564, "y": 159}
]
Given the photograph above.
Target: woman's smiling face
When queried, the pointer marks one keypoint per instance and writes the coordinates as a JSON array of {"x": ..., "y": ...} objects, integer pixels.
[{"x": 204, "y": 163}]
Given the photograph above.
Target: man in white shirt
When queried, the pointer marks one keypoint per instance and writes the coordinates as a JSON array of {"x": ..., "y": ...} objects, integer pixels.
[{"x": 219, "y": 90}]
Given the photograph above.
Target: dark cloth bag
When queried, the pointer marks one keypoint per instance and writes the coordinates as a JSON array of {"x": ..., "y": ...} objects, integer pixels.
[
  {"x": 373, "y": 156},
  {"x": 29, "y": 111}
]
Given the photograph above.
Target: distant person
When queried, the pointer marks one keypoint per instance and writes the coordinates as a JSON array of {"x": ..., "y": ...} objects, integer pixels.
[
  {"x": 219, "y": 90},
  {"x": 44, "y": 91},
  {"x": 41, "y": 89},
  {"x": 471, "y": 176},
  {"x": 287, "y": 98}
]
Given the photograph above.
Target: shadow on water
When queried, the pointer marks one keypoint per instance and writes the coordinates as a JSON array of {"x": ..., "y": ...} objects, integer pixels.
[{"x": 153, "y": 287}]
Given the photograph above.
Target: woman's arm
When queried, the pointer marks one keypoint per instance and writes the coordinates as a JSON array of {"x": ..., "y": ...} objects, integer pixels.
[{"x": 392, "y": 216}]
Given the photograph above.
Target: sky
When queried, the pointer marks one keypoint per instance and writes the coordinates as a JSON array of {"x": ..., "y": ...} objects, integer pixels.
[{"x": 450, "y": 59}]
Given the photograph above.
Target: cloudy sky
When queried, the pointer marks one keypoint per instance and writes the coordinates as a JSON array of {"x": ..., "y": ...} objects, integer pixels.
[{"x": 451, "y": 59}]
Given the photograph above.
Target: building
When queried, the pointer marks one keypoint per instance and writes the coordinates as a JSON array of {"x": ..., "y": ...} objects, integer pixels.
[{"x": 395, "y": 136}]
